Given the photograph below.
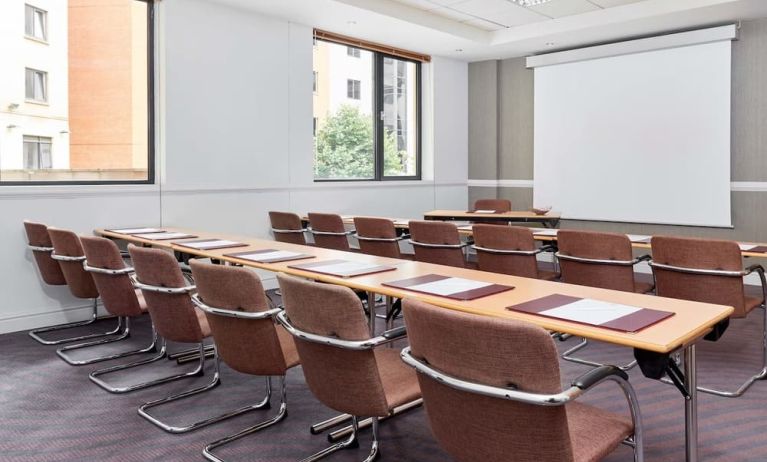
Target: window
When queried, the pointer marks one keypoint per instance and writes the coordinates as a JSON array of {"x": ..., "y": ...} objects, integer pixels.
[
  {"x": 353, "y": 89},
  {"x": 36, "y": 85},
  {"x": 35, "y": 22},
  {"x": 314, "y": 126},
  {"x": 373, "y": 131},
  {"x": 353, "y": 52},
  {"x": 314, "y": 81},
  {"x": 86, "y": 112},
  {"x": 37, "y": 152}
]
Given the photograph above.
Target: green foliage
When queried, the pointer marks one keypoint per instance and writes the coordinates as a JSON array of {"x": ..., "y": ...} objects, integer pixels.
[{"x": 344, "y": 147}]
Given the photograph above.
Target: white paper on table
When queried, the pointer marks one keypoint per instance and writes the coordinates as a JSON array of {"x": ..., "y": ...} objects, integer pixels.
[
  {"x": 275, "y": 255},
  {"x": 344, "y": 268},
  {"x": 163, "y": 236},
  {"x": 209, "y": 244},
  {"x": 136, "y": 230},
  {"x": 637, "y": 237},
  {"x": 546, "y": 232},
  {"x": 449, "y": 286},
  {"x": 465, "y": 227},
  {"x": 484, "y": 211},
  {"x": 590, "y": 311}
]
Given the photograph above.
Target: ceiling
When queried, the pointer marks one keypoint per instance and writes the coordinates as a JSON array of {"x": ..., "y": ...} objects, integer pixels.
[{"x": 475, "y": 30}]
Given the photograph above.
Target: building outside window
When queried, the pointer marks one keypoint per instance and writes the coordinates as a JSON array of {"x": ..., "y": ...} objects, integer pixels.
[
  {"x": 314, "y": 81},
  {"x": 353, "y": 52},
  {"x": 353, "y": 89},
  {"x": 37, "y": 152},
  {"x": 35, "y": 22},
  {"x": 36, "y": 83}
]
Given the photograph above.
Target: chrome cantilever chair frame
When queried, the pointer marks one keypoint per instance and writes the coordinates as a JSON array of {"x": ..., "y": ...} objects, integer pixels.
[
  {"x": 95, "y": 376},
  {"x": 265, "y": 404},
  {"x": 288, "y": 231},
  {"x": 442, "y": 246},
  {"x": 576, "y": 390},
  {"x": 762, "y": 374},
  {"x": 62, "y": 352},
  {"x": 567, "y": 355},
  {"x": 214, "y": 382},
  {"x": 35, "y": 334},
  {"x": 355, "y": 345}
]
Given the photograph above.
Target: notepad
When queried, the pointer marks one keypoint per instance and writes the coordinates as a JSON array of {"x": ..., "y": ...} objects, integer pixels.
[
  {"x": 546, "y": 232},
  {"x": 450, "y": 287},
  {"x": 136, "y": 230},
  {"x": 164, "y": 235},
  {"x": 269, "y": 256},
  {"x": 343, "y": 268},
  {"x": 484, "y": 211},
  {"x": 211, "y": 244},
  {"x": 746, "y": 247},
  {"x": 638, "y": 237},
  {"x": 590, "y": 311}
]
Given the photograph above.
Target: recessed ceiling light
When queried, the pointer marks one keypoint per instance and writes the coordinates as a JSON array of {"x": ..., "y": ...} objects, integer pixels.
[
  {"x": 549, "y": 44},
  {"x": 459, "y": 49},
  {"x": 528, "y": 3},
  {"x": 351, "y": 23}
]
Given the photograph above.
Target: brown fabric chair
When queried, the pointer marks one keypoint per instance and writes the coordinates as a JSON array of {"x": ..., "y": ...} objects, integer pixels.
[
  {"x": 437, "y": 242},
  {"x": 521, "y": 414},
  {"x": 378, "y": 236},
  {"x": 329, "y": 231},
  {"x": 709, "y": 271},
  {"x": 175, "y": 318},
  {"x": 509, "y": 250},
  {"x": 238, "y": 313},
  {"x": 111, "y": 276},
  {"x": 39, "y": 242},
  {"x": 287, "y": 227},
  {"x": 594, "y": 259},
  {"x": 341, "y": 365},
  {"x": 498, "y": 205}
]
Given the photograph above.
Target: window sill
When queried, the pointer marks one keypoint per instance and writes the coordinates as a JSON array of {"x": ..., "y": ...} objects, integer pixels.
[
  {"x": 36, "y": 102},
  {"x": 37, "y": 39}
]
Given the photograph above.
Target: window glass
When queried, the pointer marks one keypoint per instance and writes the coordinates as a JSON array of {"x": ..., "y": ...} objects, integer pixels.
[{"x": 400, "y": 118}]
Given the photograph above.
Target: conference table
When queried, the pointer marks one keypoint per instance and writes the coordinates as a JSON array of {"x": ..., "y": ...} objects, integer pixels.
[
  {"x": 549, "y": 219},
  {"x": 690, "y": 322}
]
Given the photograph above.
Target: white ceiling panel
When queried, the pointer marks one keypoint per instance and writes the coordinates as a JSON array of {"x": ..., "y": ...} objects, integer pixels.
[
  {"x": 500, "y": 11},
  {"x": 448, "y": 12},
  {"x": 561, "y": 8},
  {"x": 484, "y": 25},
  {"x": 612, "y": 3},
  {"x": 420, "y": 4}
]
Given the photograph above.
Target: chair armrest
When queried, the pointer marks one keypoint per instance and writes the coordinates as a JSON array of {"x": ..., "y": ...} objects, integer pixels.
[
  {"x": 163, "y": 290},
  {"x": 547, "y": 248},
  {"x": 107, "y": 271},
  {"x": 752, "y": 268},
  {"x": 598, "y": 375},
  {"x": 356, "y": 345}
]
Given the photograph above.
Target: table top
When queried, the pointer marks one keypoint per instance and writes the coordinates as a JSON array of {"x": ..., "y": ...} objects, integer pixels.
[
  {"x": 691, "y": 321},
  {"x": 514, "y": 214}
]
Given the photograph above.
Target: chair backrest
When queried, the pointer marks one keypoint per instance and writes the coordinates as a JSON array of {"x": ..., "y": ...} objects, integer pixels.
[
  {"x": 250, "y": 346},
  {"x": 287, "y": 227},
  {"x": 173, "y": 315},
  {"x": 701, "y": 254},
  {"x": 377, "y": 228},
  {"x": 441, "y": 243},
  {"x": 117, "y": 292},
  {"x": 499, "y": 205},
  {"x": 596, "y": 246},
  {"x": 329, "y": 223},
  {"x": 67, "y": 244},
  {"x": 50, "y": 271},
  {"x": 344, "y": 380},
  {"x": 495, "y": 352},
  {"x": 508, "y": 238}
]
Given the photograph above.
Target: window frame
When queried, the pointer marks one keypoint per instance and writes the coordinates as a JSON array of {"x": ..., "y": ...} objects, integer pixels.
[
  {"x": 378, "y": 126},
  {"x": 38, "y": 141},
  {"x": 35, "y": 73},
  {"x": 151, "y": 118},
  {"x": 36, "y": 9}
]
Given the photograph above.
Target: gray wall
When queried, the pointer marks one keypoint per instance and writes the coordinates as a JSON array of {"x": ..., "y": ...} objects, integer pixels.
[{"x": 504, "y": 89}]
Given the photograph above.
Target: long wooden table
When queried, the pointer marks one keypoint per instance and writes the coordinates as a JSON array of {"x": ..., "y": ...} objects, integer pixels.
[
  {"x": 691, "y": 320},
  {"x": 550, "y": 219}
]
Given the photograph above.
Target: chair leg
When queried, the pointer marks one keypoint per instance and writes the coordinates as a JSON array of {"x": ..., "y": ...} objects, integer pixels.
[
  {"x": 215, "y": 381},
  {"x": 95, "y": 376},
  {"x": 567, "y": 356},
  {"x": 350, "y": 442},
  {"x": 208, "y": 451},
  {"x": 125, "y": 334},
  {"x": 35, "y": 334},
  {"x": 365, "y": 423}
]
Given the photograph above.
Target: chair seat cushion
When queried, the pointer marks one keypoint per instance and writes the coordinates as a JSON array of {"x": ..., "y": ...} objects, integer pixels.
[
  {"x": 595, "y": 433},
  {"x": 643, "y": 287},
  {"x": 400, "y": 383},
  {"x": 547, "y": 275}
]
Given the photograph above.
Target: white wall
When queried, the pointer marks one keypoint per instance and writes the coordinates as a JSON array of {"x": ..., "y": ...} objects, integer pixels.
[{"x": 235, "y": 142}]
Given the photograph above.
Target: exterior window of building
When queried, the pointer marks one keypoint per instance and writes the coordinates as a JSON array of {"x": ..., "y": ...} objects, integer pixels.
[
  {"x": 83, "y": 111},
  {"x": 372, "y": 131},
  {"x": 37, "y": 152},
  {"x": 314, "y": 126},
  {"x": 36, "y": 85},
  {"x": 314, "y": 81},
  {"x": 353, "y": 52},
  {"x": 353, "y": 89},
  {"x": 35, "y": 22}
]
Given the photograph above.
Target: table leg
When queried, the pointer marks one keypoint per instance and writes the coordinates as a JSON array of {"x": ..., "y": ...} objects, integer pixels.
[
  {"x": 372, "y": 313},
  {"x": 691, "y": 405}
]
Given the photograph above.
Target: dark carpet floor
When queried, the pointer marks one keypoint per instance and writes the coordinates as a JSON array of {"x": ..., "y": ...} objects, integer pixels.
[{"x": 50, "y": 411}]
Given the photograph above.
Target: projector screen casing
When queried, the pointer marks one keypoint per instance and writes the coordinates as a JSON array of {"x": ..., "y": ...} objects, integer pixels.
[{"x": 642, "y": 137}]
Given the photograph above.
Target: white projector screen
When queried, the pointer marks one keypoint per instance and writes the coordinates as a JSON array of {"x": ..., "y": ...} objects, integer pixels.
[{"x": 641, "y": 137}]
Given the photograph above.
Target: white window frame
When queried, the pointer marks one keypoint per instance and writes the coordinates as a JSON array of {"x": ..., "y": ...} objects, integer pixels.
[{"x": 34, "y": 33}]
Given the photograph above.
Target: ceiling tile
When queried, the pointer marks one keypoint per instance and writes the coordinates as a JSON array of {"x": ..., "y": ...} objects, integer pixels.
[
  {"x": 420, "y": 4},
  {"x": 484, "y": 25},
  {"x": 452, "y": 14},
  {"x": 611, "y": 3},
  {"x": 560, "y": 8},
  {"x": 499, "y": 11}
]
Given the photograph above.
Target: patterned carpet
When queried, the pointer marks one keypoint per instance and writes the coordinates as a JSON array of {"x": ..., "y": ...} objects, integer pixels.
[{"x": 50, "y": 411}]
